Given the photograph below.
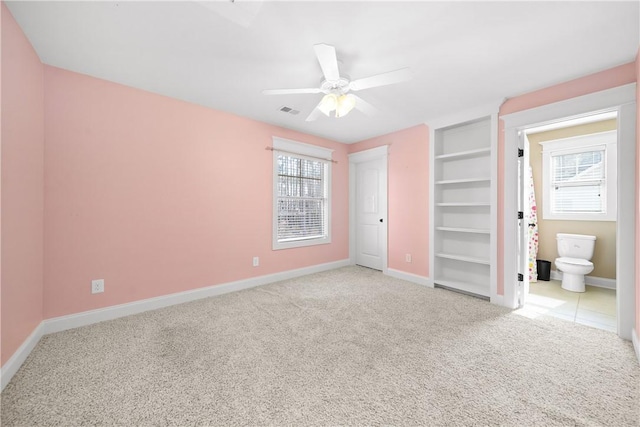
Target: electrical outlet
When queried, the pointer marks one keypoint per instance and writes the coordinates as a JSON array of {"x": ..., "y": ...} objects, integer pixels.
[
  {"x": 256, "y": 261},
  {"x": 407, "y": 257},
  {"x": 97, "y": 286}
]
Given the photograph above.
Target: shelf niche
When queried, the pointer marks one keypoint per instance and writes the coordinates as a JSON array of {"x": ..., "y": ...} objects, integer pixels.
[{"x": 463, "y": 213}]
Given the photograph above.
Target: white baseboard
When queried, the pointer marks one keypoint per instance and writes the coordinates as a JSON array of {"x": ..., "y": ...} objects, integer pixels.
[
  {"x": 10, "y": 368},
  {"x": 409, "y": 277},
  {"x": 71, "y": 321},
  {"x": 636, "y": 343},
  {"x": 599, "y": 282},
  {"x": 497, "y": 299}
]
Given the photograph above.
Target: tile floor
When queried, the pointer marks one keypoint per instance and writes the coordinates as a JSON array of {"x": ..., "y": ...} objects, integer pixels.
[{"x": 596, "y": 307}]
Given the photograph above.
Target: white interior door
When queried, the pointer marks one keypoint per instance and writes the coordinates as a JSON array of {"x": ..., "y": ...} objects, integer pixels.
[{"x": 371, "y": 213}]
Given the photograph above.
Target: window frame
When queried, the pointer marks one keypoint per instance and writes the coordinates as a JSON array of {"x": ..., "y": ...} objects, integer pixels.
[
  {"x": 580, "y": 144},
  {"x": 309, "y": 152}
]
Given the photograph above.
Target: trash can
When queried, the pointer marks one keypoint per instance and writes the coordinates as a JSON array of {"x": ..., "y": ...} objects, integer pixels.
[{"x": 544, "y": 269}]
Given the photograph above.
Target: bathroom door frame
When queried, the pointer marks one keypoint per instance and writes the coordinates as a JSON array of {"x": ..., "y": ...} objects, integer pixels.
[
  {"x": 621, "y": 99},
  {"x": 523, "y": 223}
]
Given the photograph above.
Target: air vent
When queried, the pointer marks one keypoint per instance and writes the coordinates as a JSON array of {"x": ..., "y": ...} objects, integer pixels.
[{"x": 289, "y": 110}]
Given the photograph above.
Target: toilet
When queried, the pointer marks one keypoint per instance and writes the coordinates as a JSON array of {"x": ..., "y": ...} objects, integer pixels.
[{"x": 575, "y": 252}]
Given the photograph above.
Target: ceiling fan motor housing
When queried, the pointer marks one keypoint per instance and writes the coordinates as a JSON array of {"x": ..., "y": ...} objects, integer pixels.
[{"x": 340, "y": 86}]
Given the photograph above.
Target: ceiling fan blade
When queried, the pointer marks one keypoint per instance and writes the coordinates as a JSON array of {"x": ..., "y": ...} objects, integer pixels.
[
  {"x": 290, "y": 91},
  {"x": 328, "y": 61},
  {"x": 313, "y": 116},
  {"x": 364, "y": 106},
  {"x": 383, "y": 79}
]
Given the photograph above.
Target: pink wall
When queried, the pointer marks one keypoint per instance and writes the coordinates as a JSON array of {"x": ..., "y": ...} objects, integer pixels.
[
  {"x": 22, "y": 186},
  {"x": 158, "y": 196},
  {"x": 408, "y": 196},
  {"x": 607, "y": 79}
]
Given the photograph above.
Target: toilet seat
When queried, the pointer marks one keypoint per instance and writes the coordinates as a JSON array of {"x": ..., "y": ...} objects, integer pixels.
[{"x": 575, "y": 261}]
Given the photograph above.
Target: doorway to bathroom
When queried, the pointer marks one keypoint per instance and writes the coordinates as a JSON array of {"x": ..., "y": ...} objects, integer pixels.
[
  {"x": 622, "y": 100},
  {"x": 569, "y": 203}
]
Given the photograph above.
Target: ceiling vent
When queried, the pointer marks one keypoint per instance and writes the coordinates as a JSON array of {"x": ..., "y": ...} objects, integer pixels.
[{"x": 289, "y": 110}]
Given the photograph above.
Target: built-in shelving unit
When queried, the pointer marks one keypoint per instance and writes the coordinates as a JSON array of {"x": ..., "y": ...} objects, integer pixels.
[{"x": 463, "y": 212}]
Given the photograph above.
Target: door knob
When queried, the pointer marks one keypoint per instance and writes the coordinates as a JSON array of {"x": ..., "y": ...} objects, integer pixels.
[{"x": 381, "y": 220}]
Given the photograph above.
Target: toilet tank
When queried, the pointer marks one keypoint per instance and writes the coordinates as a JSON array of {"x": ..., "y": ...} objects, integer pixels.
[{"x": 575, "y": 245}]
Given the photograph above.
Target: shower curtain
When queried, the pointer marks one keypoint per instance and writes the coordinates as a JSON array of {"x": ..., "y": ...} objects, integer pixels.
[{"x": 533, "y": 231}]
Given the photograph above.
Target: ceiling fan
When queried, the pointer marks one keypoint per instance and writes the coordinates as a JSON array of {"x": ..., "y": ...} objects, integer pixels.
[{"x": 336, "y": 88}]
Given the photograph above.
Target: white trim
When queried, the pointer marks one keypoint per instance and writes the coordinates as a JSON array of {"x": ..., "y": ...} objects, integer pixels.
[
  {"x": 580, "y": 106},
  {"x": 575, "y": 122},
  {"x": 409, "y": 277},
  {"x": 497, "y": 299},
  {"x": 636, "y": 343},
  {"x": 626, "y": 224},
  {"x": 12, "y": 366},
  {"x": 381, "y": 152},
  {"x": 621, "y": 99},
  {"x": 301, "y": 148},
  {"x": 63, "y": 323},
  {"x": 493, "y": 215},
  {"x": 85, "y": 318},
  {"x": 598, "y": 282},
  {"x": 432, "y": 201},
  {"x": 371, "y": 154},
  {"x": 469, "y": 115}
]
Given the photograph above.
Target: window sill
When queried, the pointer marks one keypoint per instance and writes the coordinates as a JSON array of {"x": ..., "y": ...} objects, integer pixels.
[{"x": 300, "y": 243}]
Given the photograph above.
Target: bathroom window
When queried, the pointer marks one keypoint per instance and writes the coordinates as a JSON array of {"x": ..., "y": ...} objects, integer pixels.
[{"x": 579, "y": 178}]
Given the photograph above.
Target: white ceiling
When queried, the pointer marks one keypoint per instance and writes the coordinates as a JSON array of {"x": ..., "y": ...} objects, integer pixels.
[{"x": 462, "y": 54}]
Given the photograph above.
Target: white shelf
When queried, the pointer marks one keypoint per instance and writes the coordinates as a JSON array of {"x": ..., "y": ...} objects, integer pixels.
[
  {"x": 463, "y": 154},
  {"x": 462, "y": 181},
  {"x": 464, "y": 204},
  {"x": 465, "y": 230},
  {"x": 463, "y": 258},
  {"x": 464, "y": 286}
]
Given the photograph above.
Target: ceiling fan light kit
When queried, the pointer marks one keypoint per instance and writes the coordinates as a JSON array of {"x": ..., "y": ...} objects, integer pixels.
[
  {"x": 342, "y": 104},
  {"x": 336, "y": 87}
]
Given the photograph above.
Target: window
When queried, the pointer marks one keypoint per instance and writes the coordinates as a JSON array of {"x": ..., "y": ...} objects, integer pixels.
[
  {"x": 579, "y": 178},
  {"x": 301, "y": 194}
]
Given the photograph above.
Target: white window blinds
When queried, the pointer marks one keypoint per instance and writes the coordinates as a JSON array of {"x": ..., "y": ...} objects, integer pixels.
[
  {"x": 578, "y": 182},
  {"x": 301, "y": 194},
  {"x": 301, "y": 198}
]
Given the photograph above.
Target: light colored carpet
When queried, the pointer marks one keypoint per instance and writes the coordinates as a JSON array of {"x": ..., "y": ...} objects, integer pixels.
[{"x": 348, "y": 347}]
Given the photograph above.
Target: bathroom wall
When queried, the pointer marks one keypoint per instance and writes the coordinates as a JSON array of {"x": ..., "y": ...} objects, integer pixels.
[{"x": 604, "y": 257}]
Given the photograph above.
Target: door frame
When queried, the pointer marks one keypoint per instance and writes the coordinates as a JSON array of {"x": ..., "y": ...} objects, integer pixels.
[
  {"x": 377, "y": 153},
  {"x": 623, "y": 100}
]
